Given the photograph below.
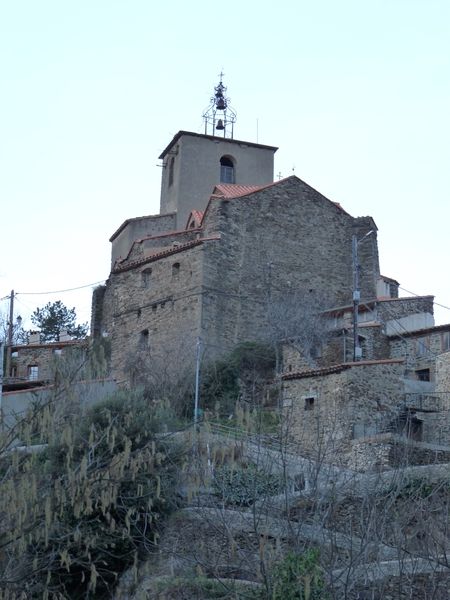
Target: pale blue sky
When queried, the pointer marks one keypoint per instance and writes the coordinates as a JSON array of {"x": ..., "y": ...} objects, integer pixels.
[{"x": 356, "y": 94}]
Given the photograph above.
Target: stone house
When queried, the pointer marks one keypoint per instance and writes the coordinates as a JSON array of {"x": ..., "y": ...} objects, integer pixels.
[
  {"x": 365, "y": 414},
  {"x": 328, "y": 409},
  {"x": 32, "y": 364}
]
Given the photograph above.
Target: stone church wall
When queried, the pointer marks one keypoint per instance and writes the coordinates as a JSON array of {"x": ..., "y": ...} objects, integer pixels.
[
  {"x": 153, "y": 310},
  {"x": 274, "y": 245},
  {"x": 277, "y": 243}
]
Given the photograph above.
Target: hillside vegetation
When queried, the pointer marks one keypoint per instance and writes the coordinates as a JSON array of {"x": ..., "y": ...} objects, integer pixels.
[{"x": 128, "y": 499}]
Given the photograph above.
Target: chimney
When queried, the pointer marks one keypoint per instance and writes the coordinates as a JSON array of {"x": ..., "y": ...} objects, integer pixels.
[
  {"x": 64, "y": 336},
  {"x": 34, "y": 337}
]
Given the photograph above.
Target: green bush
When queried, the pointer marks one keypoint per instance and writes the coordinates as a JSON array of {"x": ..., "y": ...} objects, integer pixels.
[
  {"x": 222, "y": 380},
  {"x": 84, "y": 510},
  {"x": 299, "y": 577},
  {"x": 241, "y": 486}
]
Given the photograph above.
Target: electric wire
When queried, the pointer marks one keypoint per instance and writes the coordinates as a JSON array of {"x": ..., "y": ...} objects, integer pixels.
[
  {"x": 60, "y": 291},
  {"x": 419, "y": 295}
]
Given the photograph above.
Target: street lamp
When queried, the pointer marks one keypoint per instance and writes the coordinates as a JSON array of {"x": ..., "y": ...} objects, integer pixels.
[{"x": 357, "y": 352}]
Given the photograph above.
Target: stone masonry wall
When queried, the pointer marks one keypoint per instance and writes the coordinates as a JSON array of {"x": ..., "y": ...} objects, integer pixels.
[
  {"x": 419, "y": 351},
  {"x": 154, "y": 310},
  {"x": 275, "y": 243},
  {"x": 284, "y": 240},
  {"x": 148, "y": 246},
  {"x": 41, "y": 355},
  {"x": 131, "y": 230},
  {"x": 326, "y": 411},
  {"x": 396, "y": 308},
  {"x": 443, "y": 374}
]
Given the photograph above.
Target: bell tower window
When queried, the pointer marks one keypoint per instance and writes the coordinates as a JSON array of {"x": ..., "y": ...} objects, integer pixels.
[{"x": 226, "y": 170}]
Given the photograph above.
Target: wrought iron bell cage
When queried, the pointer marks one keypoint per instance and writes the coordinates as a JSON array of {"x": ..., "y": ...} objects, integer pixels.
[{"x": 219, "y": 116}]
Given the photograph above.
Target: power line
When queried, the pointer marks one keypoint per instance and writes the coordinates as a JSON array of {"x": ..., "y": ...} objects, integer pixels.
[
  {"x": 419, "y": 295},
  {"x": 60, "y": 291}
]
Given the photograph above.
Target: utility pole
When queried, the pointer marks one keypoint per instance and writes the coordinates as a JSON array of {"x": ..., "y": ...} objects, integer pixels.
[
  {"x": 1, "y": 384},
  {"x": 197, "y": 379},
  {"x": 10, "y": 335},
  {"x": 356, "y": 298},
  {"x": 357, "y": 352}
]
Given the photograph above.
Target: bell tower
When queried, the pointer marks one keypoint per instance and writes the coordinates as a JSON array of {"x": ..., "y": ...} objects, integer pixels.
[
  {"x": 219, "y": 117},
  {"x": 194, "y": 163}
]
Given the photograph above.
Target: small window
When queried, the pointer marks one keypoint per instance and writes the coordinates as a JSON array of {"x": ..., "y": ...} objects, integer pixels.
[
  {"x": 143, "y": 339},
  {"x": 57, "y": 351},
  {"x": 15, "y": 354},
  {"x": 14, "y": 371},
  {"x": 175, "y": 270},
  {"x": 146, "y": 277},
  {"x": 309, "y": 403},
  {"x": 33, "y": 372},
  {"x": 423, "y": 374},
  {"x": 446, "y": 341},
  {"x": 226, "y": 170}
]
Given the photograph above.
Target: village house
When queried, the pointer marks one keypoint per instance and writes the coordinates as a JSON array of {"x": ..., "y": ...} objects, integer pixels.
[{"x": 32, "y": 364}]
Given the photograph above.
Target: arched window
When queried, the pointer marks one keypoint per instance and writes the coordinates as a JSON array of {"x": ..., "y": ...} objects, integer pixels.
[
  {"x": 146, "y": 275},
  {"x": 175, "y": 270},
  {"x": 171, "y": 167},
  {"x": 226, "y": 170}
]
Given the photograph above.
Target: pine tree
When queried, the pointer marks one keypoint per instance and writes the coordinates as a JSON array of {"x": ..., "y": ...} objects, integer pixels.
[{"x": 53, "y": 318}]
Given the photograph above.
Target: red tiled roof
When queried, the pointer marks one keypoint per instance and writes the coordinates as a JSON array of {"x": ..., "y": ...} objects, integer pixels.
[
  {"x": 155, "y": 237},
  {"x": 235, "y": 190},
  {"x": 162, "y": 254},
  {"x": 339, "y": 368},
  {"x": 197, "y": 215}
]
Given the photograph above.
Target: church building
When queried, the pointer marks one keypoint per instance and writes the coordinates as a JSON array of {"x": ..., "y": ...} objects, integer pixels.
[{"x": 229, "y": 249}]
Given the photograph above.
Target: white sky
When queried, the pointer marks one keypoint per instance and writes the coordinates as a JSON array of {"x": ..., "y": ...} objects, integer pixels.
[{"x": 355, "y": 93}]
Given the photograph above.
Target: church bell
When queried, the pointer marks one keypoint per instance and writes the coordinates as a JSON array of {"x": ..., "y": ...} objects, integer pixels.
[
  {"x": 220, "y": 103},
  {"x": 220, "y": 126}
]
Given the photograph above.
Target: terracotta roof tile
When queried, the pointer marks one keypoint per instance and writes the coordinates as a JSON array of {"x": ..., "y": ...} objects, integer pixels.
[
  {"x": 197, "y": 215},
  {"x": 162, "y": 254},
  {"x": 340, "y": 367},
  {"x": 235, "y": 190}
]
